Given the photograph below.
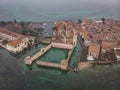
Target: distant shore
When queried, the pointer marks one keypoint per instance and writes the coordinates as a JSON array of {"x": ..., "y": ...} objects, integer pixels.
[{"x": 52, "y": 21}]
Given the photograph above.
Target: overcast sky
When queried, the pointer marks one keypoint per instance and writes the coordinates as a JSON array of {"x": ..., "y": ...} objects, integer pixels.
[
  {"x": 59, "y": 2},
  {"x": 47, "y": 4}
]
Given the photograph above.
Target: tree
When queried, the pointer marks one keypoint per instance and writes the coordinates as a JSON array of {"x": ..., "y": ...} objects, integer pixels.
[
  {"x": 3, "y": 23},
  {"x": 112, "y": 55},
  {"x": 103, "y": 19},
  {"x": 55, "y": 28},
  {"x": 64, "y": 27},
  {"x": 15, "y": 21},
  {"x": 4, "y": 42},
  {"x": 9, "y": 22},
  {"x": 22, "y": 24},
  {"x": 79, "y": 21},
  {"x": 99, "y": 42},
  {"x": 118, "y": 43}
]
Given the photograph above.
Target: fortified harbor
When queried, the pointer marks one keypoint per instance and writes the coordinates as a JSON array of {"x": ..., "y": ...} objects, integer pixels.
[{"x": 63, "y": 64}]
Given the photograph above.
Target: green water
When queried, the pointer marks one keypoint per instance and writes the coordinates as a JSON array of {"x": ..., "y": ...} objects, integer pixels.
[
  {"x": 55, "y": 55},
  {"x": 75, "y": 56},
  {"x": 15, "y": 75}
]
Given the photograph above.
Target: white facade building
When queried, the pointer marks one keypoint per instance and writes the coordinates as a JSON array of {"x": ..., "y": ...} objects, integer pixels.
[
  {"x": 17, "y": 46},
  {"x": 16, "y": 42}
]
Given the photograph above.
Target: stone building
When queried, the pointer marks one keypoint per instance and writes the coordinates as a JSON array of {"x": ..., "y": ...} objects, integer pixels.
[
  {"x": 93, "y": 51},
  {"x": 16, "y": 42}
]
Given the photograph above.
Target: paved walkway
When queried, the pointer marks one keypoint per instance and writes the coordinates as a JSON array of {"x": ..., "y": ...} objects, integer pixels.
[
  {"x": 37, "y": 55},
  {"x": 48, "y": 64}
]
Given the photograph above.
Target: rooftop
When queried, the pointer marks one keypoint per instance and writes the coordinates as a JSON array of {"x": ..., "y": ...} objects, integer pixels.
[
  {"x": 15, "y": 42},
  {"x": 94, "y": 48},
  {"x": 13, "y": 34}
]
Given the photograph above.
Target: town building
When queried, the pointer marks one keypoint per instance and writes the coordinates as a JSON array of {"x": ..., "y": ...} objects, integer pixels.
[
  {"x": 93, "y": 51},
  {"x": 17, "y": 46},
  {"x": 16, "y": 42}
]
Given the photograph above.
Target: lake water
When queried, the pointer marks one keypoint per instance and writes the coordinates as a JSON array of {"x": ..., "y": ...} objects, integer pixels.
[
  {"x": 15, "y": 75},
  {"x": 44, "y": 10}
]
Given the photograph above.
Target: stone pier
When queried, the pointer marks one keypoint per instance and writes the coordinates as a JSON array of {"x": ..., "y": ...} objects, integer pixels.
[
  {"x": 48, "y": 64},
  {"x": 62, "y": 45},
  {"x": 29, "y": 60}
]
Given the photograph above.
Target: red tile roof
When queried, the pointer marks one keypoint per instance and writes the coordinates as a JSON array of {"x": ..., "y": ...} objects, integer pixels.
[
  {"x": 94, "y": 48},
  {"x": 15, "y": 42},
  {"x": 13, "y": 34}
]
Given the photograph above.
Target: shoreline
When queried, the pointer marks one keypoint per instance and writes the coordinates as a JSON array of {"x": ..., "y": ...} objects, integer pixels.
[
  {"x": 88, "y": 64},
  {"x": 52, "y": 21},
  {"x": 82, "y": 64}
]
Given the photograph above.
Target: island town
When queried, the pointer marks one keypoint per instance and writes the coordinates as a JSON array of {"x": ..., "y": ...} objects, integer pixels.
[{"x": 99, "y": 39}]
